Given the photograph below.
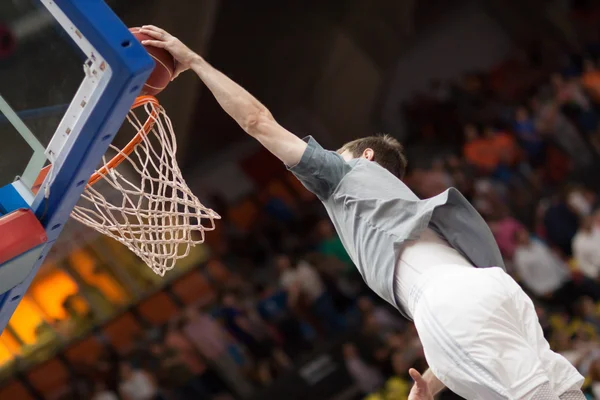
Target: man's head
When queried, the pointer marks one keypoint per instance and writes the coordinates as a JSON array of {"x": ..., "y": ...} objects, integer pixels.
[{"x": 383, "y": 149}]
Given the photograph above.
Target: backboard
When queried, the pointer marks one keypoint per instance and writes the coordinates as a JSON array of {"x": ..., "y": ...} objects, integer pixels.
[{"x": 69, "y": 73}]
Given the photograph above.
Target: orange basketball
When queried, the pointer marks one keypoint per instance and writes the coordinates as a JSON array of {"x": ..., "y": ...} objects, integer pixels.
[{"x": 164, "y": 69}]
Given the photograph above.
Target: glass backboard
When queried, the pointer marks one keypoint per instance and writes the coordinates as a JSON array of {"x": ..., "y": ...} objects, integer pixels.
[{"x": 41, "y": 72}]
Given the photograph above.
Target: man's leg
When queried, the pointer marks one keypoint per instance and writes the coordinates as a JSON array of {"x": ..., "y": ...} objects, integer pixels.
[{"x": 475, "y": 327}]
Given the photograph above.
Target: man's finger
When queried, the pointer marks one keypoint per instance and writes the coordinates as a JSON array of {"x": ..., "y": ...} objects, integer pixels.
[
  {"x": 155, "y": 43},
  {"x": 154, "y": 28},
  {"x": 153, "y": 34},
  {"x": 416, "y": 376}
]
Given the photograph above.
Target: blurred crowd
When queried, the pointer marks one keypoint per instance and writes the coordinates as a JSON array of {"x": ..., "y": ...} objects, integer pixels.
[
  {"x": 287, "y": 287},
  {"x": 521, "y": 142}
]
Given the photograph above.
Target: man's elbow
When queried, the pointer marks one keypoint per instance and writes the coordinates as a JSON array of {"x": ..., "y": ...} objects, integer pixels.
[{"x": 256, "y": 122}]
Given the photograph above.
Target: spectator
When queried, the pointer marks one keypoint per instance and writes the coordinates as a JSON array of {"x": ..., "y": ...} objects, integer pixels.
[
  {"x": 304, "y": 284},
  {"x": 589, "y": 314},
  {"x": 272, "y": 307},
  {"x": 569, "y": 93},
  {"x": 580, "y": 201},
  {"x": 504, "y": 230},
  {"x": 560, "y": 225},
  {"x": 216, "y": 346},
  {"x": 547, "y": 276},
  {"x": 586, "y": 249},
  {"x": 387, "y": 321},
  {"x": 528, "y": 136},
  {"x": 367, "y": 377},
  {"x": 553, "y": 123},
  {"x": 258, "y": 342},
  {"x": 479, "y": 151},
  {"x": 431, "y": 182},
  {"x": 137, "y": 384},
  {"x": 184, "y": 367},
  {"x": 504, "y": 145},
  {"x": 591, "y": 80},
  {"x": 541, "y": 271},
  {"x": 330, "y": 243}
]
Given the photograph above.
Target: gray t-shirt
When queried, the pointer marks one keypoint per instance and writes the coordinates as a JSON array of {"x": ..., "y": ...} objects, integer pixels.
[{"x": 374, "y": 213}]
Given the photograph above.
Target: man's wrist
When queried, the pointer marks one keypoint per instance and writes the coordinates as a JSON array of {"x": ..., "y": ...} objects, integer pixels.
[{"x": 197, "y": 62}]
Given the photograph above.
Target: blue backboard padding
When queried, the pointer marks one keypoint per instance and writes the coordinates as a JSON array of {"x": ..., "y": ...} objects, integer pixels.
[
  {"x": 131, "y": 65},
  {"x": 10, "y": 200}
]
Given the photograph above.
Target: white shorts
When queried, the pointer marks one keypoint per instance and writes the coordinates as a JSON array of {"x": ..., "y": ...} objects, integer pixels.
[{"x": 482, "y": 337}]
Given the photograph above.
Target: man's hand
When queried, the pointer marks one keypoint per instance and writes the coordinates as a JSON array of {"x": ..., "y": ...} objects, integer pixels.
[
  {"x": 420, "y": 390},
  {"x": 183, "y": 55}
]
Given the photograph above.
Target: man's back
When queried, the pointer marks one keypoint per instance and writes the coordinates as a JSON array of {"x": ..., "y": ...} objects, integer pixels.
[{"x": 375, "y": 213}]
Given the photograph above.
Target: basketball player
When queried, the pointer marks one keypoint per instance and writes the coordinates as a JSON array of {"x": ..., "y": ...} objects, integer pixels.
[{"x": 479, "y": 330}]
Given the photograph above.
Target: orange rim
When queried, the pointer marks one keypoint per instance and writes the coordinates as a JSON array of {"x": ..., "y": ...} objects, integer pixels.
[{"x": 137, "y": 139}]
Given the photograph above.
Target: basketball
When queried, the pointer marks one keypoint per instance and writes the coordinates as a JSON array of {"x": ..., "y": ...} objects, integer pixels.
[{"x": 164, "y": 69}]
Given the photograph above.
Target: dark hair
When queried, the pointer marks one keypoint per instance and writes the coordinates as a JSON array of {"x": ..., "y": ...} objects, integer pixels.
[{"x": 389, "y": 153}]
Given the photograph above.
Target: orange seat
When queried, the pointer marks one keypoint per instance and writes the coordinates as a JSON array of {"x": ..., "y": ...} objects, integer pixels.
[
  {"x": 87, "y": 351},
  {"x": 123, "y": 331},
  {"x": 158, "y": 309},
  {"x": 193, "y": 288},
  {"x": 50, "y": 378},
  {"x": 15, "y": 390},
  {"x": 243, "y": 215}
]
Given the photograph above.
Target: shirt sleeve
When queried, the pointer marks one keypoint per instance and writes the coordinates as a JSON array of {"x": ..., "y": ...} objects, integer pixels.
[{"x": 320, "y": 170}]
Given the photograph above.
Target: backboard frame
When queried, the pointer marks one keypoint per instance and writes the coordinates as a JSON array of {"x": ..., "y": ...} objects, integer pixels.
[{"x": 116, "y": 70}]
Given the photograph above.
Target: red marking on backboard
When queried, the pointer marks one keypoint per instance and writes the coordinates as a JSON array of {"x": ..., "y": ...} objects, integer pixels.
[{"x": 20, "y": 231}]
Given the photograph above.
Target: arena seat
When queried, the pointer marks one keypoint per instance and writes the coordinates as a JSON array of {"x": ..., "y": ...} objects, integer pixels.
[
  {"x": 86, "y": 351},
  {"x": 15, "y": 390},
  {"x": 123, "y": 331},
  {"x": 50, "y": 378},
  {"x": 158, "y": 309},
  {"x": 193, "y": 288}
]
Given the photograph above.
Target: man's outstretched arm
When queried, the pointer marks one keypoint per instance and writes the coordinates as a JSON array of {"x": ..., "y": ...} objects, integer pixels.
[{"x": 245, "y": 109}]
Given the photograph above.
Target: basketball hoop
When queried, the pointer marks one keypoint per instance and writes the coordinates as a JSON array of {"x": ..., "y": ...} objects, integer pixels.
[{"x": 154, "y": 214}]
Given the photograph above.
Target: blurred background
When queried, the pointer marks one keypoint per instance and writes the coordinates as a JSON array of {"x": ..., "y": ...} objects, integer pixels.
[{"x": 499, "y": 99}]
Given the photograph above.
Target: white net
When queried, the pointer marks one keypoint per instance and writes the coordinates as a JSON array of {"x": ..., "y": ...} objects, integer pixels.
[{"x": 154, "y": 214}]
